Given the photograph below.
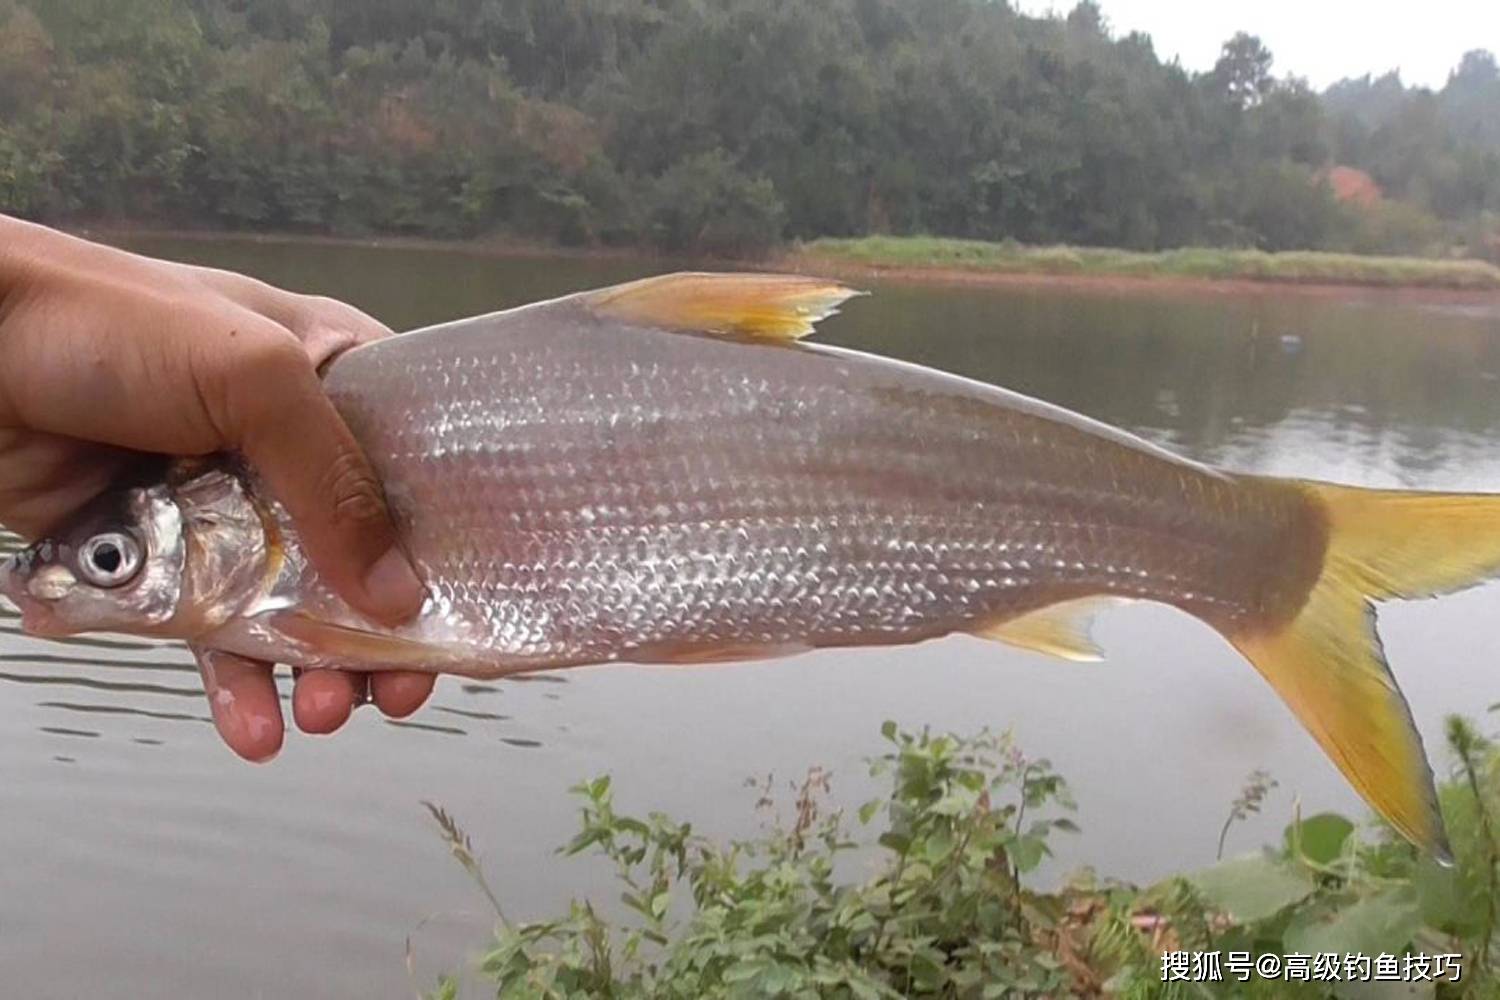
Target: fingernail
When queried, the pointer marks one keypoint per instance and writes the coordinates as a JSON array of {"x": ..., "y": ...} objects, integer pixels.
[{"x": 392, "y": 587}]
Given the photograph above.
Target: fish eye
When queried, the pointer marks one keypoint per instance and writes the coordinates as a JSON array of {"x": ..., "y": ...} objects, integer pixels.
[{"x": 110, "y": 559}]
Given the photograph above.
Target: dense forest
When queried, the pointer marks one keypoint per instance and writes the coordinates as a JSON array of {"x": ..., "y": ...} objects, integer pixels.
[{"x": 721, "y": 126}]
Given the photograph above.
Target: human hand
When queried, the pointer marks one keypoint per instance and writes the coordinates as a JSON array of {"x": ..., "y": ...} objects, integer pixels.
[{"x": 105, "y": 355}]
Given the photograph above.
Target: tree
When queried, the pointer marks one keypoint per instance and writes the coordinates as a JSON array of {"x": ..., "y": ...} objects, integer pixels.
[
  {"x": 1243, "y": 72},
  {"x": 717, "y": 126}
]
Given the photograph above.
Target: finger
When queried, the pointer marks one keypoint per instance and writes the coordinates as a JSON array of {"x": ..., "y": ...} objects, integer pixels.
[
  {"x": 323, "y": 343},
  {"x": 398, "y": 693},
  {"x": 318, "y": 316},
  {"x": 323, "y": 699},
  {"x": 242, "y": 697},
  {"x": 326, "y": 326},
  {"x": 51, "y": 478},
  {"x": 280, "y": 418}
]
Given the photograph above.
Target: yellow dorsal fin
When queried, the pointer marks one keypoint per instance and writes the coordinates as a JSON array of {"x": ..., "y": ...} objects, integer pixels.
[
  {"x": 771, "y": 306},
  {"x": 1060, "y": 630}
]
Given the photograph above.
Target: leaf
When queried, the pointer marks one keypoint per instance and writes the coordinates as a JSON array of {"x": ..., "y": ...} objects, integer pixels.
[
  {"x": 938, "y": 846},
  {"x": 1375, "y": 924},
  {"x": 1322, "y": 836},
  {"x": 888, "y": 730},
  {"x": 745, "y": 969},
  {"x": 1252, "y": 887},
  {"x": 958, "y": 802},
  {"x": 1448, "y": 900},
  {"x": 1027, "y": 852},
  {"x": 868, "y": 810}
]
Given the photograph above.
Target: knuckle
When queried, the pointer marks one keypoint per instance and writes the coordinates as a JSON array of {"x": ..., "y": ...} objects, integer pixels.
[
  {"x": 324, "y": 304},
  {"x": 270, "y": 360},
  {"x": 353, "y": 494},
  {"x": 253, "y": 385}
]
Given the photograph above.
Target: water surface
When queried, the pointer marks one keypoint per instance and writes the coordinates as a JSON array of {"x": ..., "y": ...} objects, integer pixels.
[{"x": 141, "y": 858}]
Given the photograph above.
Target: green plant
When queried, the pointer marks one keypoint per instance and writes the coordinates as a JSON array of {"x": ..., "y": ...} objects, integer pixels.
[
  {"x": 1257, "y": 786},
  {"x": 949, "y": 912}
]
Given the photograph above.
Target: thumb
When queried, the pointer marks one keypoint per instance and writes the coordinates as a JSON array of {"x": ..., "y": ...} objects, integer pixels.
[{"x": 283, "y": 423}]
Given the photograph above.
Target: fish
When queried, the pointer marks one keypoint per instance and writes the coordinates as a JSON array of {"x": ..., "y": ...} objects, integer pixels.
[{"x": 667, "y": 472}]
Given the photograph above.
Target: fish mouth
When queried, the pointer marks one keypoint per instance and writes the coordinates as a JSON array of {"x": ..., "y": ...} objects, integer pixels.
[
  {"x": 10, "y": 580},
  {"x": 36, "y": 618}
]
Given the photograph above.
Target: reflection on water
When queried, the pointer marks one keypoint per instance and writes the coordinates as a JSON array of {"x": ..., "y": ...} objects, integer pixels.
[{"x": 172, "y": 865}]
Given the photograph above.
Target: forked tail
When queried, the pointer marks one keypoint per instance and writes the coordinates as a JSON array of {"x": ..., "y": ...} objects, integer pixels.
[{"x": 1327, "y": 662}]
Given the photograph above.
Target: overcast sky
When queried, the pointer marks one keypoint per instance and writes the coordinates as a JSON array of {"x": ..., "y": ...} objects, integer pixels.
[{"x": 1322, "y": 40}]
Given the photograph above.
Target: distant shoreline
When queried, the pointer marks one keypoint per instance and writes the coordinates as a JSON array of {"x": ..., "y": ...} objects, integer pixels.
[
  {"x": 1135, "y": 285},
  {"x": 930, "y": 259},
  {"x": 959, "y": 262}
]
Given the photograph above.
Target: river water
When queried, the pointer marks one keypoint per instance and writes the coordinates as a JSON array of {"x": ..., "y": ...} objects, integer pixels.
[{"x": 138, "y": 857}]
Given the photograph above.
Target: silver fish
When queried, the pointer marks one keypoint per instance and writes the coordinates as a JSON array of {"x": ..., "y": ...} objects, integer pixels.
[{"x": 660, "y": 472}]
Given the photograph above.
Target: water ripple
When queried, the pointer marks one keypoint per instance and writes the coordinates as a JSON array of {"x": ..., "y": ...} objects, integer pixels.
[
  {"x": 90, "y": 708},
  {"x": 79, "y": 661},
  {"x": 98, "y": 685},
  {"x": 470, "y": 713},
  {"x": 426, "y": 727}
]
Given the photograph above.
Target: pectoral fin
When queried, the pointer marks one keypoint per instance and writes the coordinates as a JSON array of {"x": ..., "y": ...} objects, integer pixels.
[
  {"x": 1061, "y": 630},
  {"x": 359, "y": 648},
  {"x": 770, "y": 306}
]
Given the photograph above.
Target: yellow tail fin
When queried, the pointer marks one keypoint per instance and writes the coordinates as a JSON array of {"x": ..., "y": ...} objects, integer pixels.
[{"x": 1327, "y": 663}]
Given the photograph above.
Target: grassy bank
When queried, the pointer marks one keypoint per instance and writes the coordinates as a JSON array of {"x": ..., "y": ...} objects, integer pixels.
[
  {"x": 926, "y": 892},
  {"x": 921, "y": 253}
]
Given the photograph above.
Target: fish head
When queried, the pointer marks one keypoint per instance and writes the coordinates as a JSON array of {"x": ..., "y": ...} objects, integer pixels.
[
  {"x": 169, "y": 559},
  {"x": 116, "y": 565}
]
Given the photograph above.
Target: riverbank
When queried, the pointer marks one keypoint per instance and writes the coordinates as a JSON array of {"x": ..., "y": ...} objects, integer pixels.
[{"x": 937, "y": 260}]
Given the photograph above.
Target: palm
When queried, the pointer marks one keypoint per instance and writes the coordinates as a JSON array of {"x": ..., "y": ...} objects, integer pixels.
[{"x": 104, "y": 367}]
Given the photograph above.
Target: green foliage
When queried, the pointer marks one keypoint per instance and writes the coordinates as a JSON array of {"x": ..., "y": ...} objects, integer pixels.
[
  {"x": 947, "y": 911},
  {"x": 717, "y": 128},
  {"x": 705, "y": 205},
  {"x": 947, "y": 914}
]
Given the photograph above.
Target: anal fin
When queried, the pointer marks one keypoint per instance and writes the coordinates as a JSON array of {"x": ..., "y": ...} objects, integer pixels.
[{"x": 1061, "y": 630}]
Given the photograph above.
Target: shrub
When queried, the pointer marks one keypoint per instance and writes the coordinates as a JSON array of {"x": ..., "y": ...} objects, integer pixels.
[
  {"x": 705, "y": 205},
  {"x": 948, "y": 912}
]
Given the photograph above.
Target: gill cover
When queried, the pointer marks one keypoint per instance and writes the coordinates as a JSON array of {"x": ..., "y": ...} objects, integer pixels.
[{"x": 165, "y": 551}]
